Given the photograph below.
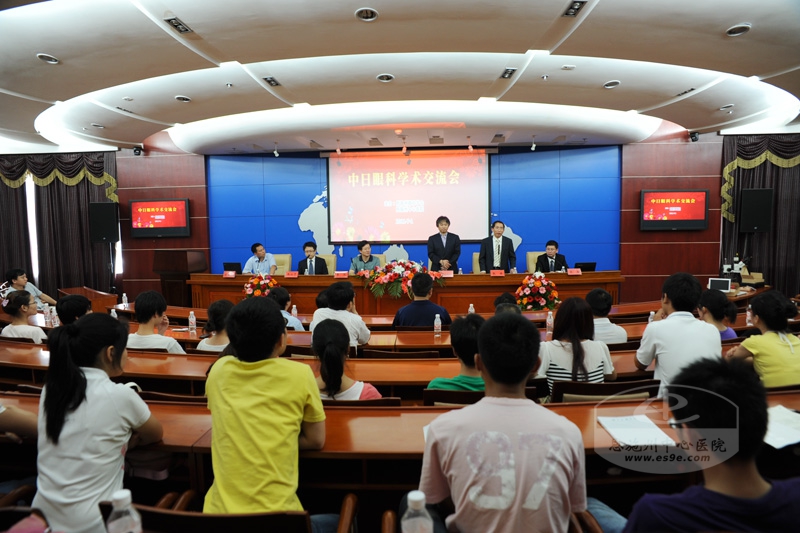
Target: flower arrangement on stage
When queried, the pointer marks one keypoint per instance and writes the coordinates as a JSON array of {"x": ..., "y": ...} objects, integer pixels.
[
  {"x": 537, "y": 293},
  {"x": 258, "y": 286},
  {"x": 394, "y": 278}
]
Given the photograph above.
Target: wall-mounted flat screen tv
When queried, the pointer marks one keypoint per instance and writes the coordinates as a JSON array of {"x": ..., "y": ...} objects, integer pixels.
[
  {"x": 674, "y": 209},
  {"x": 160, "y": 218}
]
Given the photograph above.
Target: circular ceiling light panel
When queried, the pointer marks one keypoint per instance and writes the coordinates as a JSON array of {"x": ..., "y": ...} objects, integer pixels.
[
  {"x": 184, "y": 99},
  {"x": 611, "y": 84},
  {"x": 47, "y": 58},
  {"x": 366, "y": 14},
  {"x": 739, "y": 29},
  {"x": 385, "y": 78}
]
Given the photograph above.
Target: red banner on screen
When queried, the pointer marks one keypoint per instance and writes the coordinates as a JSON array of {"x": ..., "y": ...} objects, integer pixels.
[
  {"x": 674, "y": 205},
  {"x": 158, "y": 214}
]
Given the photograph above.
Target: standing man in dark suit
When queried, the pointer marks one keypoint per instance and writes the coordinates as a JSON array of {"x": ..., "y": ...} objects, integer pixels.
[
  {"x": 312, "y": 264},
  {"x": 444, "y": 248},
  {"x": 551, "y": 260},
  {"x": 497, "y": 252}
]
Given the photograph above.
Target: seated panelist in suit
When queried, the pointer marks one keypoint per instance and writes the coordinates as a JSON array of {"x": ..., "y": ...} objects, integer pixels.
[
  {"x": 444, "y": 248},
  {"x": 497, "y": 252},
  {"x": 551, "y": 260},
  {"x": 312, "y": 264}
]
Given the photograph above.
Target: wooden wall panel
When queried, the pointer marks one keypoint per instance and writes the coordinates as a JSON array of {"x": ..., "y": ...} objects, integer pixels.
[
  {"x": 647, "y": 258},
  {"x": 158, "y": 176}
]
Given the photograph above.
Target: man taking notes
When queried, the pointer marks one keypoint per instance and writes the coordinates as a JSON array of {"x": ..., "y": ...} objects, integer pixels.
[
  {"x": 497, "y": 252},
  {"x": 444, "y": 248}
]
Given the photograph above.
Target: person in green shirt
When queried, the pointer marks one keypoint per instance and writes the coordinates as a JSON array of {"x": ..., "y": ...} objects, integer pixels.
[{"x": 464, "y": 340}]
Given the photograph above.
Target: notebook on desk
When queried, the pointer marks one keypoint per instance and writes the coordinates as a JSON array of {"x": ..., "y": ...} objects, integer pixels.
[
  {"x": 586, "y": 267},
  {"x": 237, "y": 267}
]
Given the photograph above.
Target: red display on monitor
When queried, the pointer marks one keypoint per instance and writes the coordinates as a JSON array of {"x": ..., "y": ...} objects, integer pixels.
[
  {"x": 672, "y": 210},
  {"x": 160, "y": 218}
]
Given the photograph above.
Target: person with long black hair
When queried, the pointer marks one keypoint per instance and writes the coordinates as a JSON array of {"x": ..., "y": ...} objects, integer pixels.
[
  {"x": 21, "y": 306},
  {"x": 330, "y": 343},
  {"x": 572, "y": 355},
  {"x": 86, "y": 423},
  {"x": 714, "y": 308}
]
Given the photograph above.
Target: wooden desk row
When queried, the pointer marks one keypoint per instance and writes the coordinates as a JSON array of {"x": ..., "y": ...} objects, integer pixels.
[{"x": 375, "y": 437}]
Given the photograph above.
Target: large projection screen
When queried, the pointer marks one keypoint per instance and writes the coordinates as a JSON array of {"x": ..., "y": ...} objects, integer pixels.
[{"x": 385, "y": 197}]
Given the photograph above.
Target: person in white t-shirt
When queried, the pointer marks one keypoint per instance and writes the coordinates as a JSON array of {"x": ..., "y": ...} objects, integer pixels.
[
  {"x": 284, "y": 301},
  {"x": 153, "y": 323},
  {"x": 676, "y": 338},
  {"x": 86, "y": 423},
  {"x": 21, "y": 305},
  {"x": 342, "y": 307},
  {"x": 507, "y": 463},
  {"x": 217, "y": 313},
  {"x": 600, "y": 301}
]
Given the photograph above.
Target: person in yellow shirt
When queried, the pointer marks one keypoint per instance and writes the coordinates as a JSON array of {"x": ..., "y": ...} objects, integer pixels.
[{"x": 264, "y": 409}]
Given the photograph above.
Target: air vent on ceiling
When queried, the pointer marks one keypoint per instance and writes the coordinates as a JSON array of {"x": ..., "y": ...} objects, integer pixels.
[
  {"x": 498, "y": 138},
  {"x": 374, "y": 141}
]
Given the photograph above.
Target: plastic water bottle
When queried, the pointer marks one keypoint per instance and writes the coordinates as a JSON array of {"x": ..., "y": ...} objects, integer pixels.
[
  {"x": 749, "y": 316},
  {"x": 437, "y": 330},
  {"x": 48, "y": 318},
  {"x": 471, "y": 309},
  {"x": 416, "y": 519},
  {"x": 124, "y": 300},
  {"x": 651, "y": 317},
  {"x": 294, "y": 311},
  {"x": 54, "y": 317},
  {"x": 549, "y": 325},
  {"x": 192, "y": 322},
  {"x": 123, "y": 518},
  {"x": 113, "y": 313},
  {"x": 460, "y": 271}
]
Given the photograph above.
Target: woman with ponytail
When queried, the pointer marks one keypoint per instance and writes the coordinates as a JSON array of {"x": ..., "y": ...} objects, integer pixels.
[
  {"x": 714, "y": 309},
  {"x": 86, "y": 423},
  {"x": 21, "y": 305},
  {"x": 330, "y": 343},
  {"x": 572, "y": 355}
]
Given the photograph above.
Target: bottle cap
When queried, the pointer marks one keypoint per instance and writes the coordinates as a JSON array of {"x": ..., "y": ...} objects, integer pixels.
[
  {"x": 416, "y": 499},
  {"x": 437, "y": 315},
  {"x": 121, "y": 498}
]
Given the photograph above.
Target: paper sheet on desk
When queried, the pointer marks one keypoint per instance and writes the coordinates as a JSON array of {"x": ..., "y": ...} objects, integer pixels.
[
  {"x": 636, "y": 430},
  {"x": 783, "y": 428}
]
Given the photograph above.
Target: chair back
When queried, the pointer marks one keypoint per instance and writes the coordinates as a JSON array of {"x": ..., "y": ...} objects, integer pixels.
[
  {"x": 150, "y": 396},
  {"x": 387, "y": 401},
  {"x": 24, "y": 340},
  {"x": 300, "y": 352},
  {"x": 457, "y": 398},
  {"x": 476, "y": 264},
  {"x": 284, "y": 262},
  {"x": 195, "y": 351},
  {"x": 384, "y": 354},
  {"x": 381, "y": 259},
  {"x": 445, "y": 327},
  {"x": 582, "y": 391},
  {"x": 147, "y": 350},
  {"x": 623, "y": 346},
  {"x": 169, "y": 521},
  {"x": 530, "y": 260},
  {"x": 330, "y": 261}
]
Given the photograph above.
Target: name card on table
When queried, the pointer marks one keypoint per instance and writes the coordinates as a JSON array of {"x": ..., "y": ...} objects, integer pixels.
[
  {"x": 229, "y": 274},
  {"x": 497, "y": 273},
  {"x": 291, "y": 274},
  {"x": 573, "y": 272},
  {"x": 339, "y": 274},
  {"x": 446, "y": 273}
]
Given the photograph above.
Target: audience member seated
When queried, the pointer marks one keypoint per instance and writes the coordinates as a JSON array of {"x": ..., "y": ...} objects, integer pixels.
[
  {"x": 775, "y": 354},
  {"x": 551, "y": 260},
  {"x": 153, "y": 323},
  {"x": 600, "y": 301},
  {"x": 422, "y": 311},
  {"x": 17, "y": 280},
  {"x": 284, "y": 301},
  {"x": 676, "y": 338},
  {"x": 342, "y": 307},
  {"x": 21, "y": 305},
  {"x": 261, "y": 262},
  {"x": 572, "y": 355},
  {"x": 71, "y": 307},
  {"x": 364, "y": 260},
  {"x": 464, "y": 340},
  {"x": 217, "y": 313},
  {"x": 87, "y": 423},
  {"x": 312, "y": 264},
  {"x": 321, "y": 300},
  {"x": 331, "y": 343},
  {"x": 505, "y": 298},
  {"x": 733, "y": 496},
  {"x": 507, "y": 308},
  {"x": 714, "y": 309},
  {"x": 489, "y": 458},
  {"x": 264, "y": 409}
]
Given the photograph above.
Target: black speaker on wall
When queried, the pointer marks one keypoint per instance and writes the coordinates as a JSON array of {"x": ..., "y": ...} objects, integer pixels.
[
  {"x": 104, "y": 221},
  {"x": 755, "y": 211}
]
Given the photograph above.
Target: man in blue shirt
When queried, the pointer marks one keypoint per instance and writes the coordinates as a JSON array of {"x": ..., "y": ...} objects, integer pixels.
[
  {"x": 421, "y": 311},
  {"x": 261, "y": 262}
]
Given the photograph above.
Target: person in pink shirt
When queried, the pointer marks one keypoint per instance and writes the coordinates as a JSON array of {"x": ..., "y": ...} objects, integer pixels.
[{"x": 506, "y": 463}]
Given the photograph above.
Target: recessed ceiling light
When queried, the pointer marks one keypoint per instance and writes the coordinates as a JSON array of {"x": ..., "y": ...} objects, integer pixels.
[
  {"x": 366, "y": 14},
  {"x": 574, "y": 8},
  {"x": 567, "y": 67},
  {"x": 47, "y": 58},
  {"x": 738, "y": 29},
  {"x": 611, "y": 84},
  {"x": 98, "y": 126},
  {"x": 178, "y": 25},
  {"x": 544, "y": 77},
  {"x": 127, "y": 98},
  {"x": 385, "y": 78},
  {"x": 726, "y": 107},
  {"x": 184, "y": 99},
  {"x": 507, "y": 73},
  {"x": 272, "y": 82}
]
